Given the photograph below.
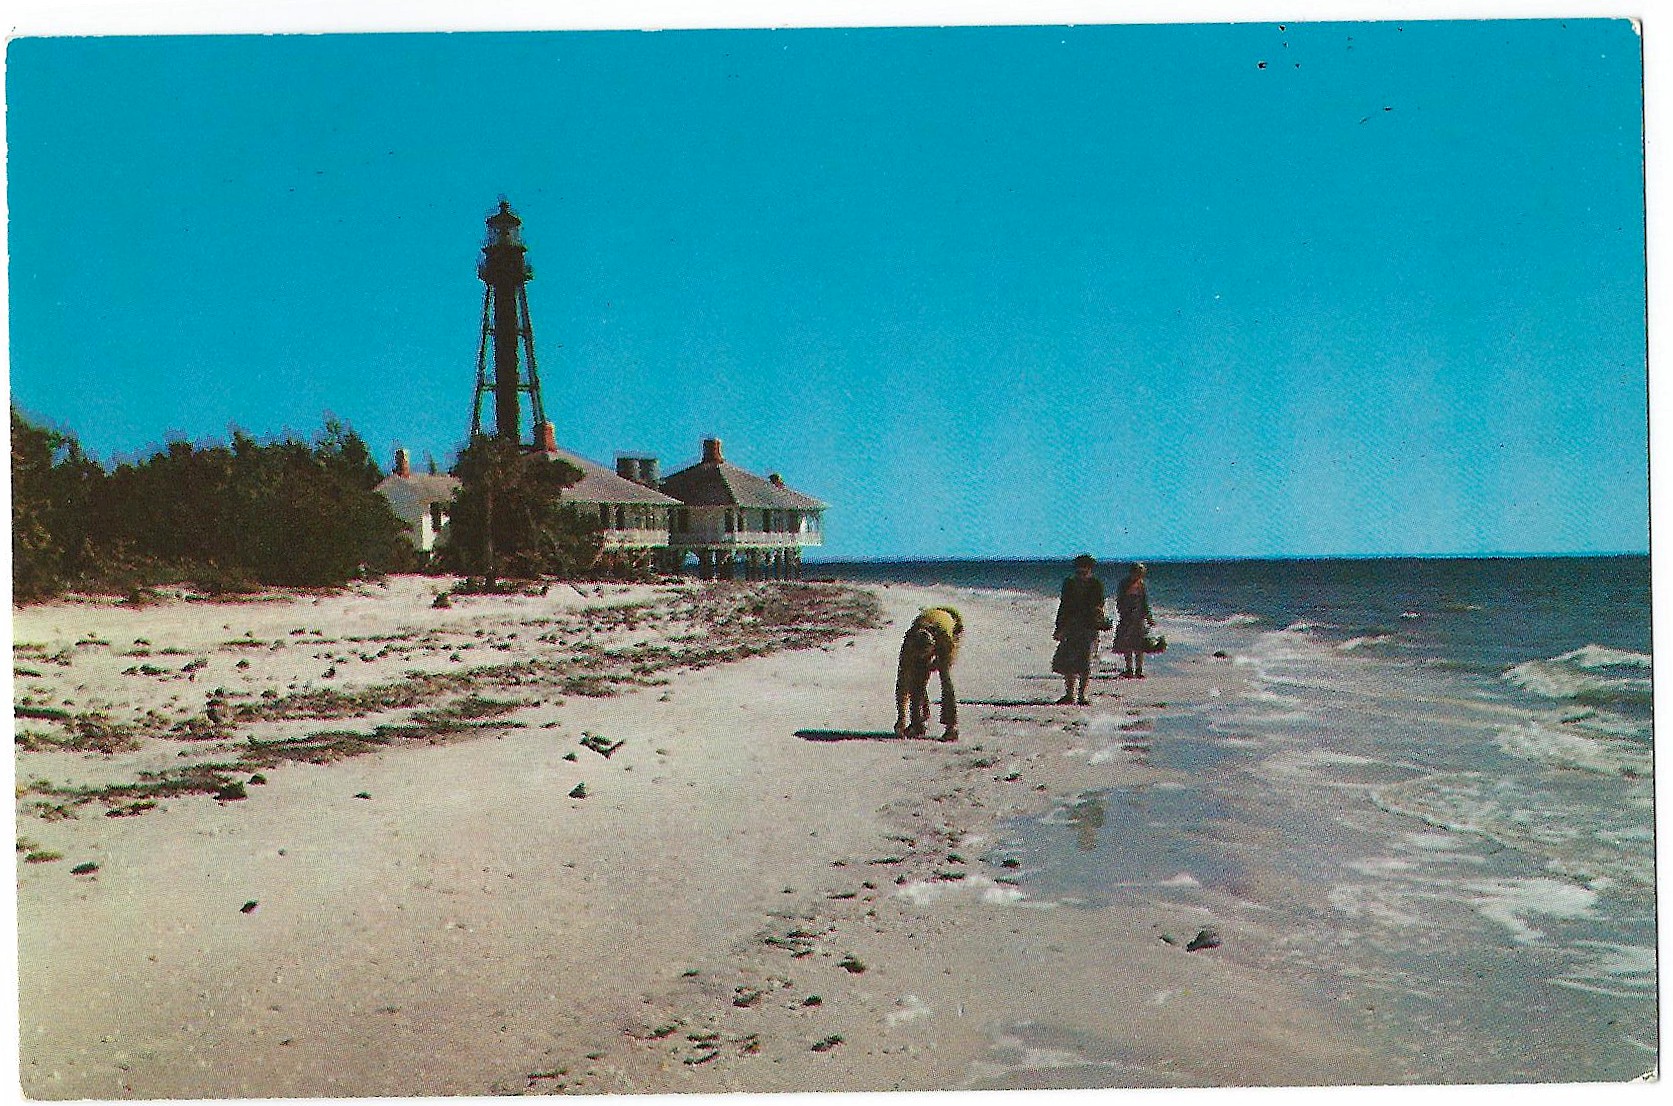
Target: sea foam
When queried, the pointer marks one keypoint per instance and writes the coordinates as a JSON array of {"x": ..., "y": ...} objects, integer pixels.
[
  {"x": 1570, "y": 746},
  {"x": 1590, "y": 674},
  {"x": 1360, "y": 642},
  {"x": 1512, "y": 902}
]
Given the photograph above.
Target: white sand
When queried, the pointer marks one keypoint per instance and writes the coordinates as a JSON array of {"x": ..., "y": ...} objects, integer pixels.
[{"x": 470, "y": 929}]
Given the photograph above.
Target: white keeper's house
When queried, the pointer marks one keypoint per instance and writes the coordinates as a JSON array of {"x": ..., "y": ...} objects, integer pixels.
[
  {"x": 732, "y": 521},
  {"x": 730, "y": 517},
  {"x": 420, "y": 500}
]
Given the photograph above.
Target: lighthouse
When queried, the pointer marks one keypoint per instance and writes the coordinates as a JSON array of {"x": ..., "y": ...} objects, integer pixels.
[{"x": 505, "y": 273}]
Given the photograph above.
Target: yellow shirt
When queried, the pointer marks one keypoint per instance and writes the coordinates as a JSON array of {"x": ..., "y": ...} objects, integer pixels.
[{"x": 945, "y": 624}]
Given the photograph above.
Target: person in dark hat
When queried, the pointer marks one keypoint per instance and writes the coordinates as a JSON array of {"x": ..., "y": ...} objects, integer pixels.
[
  {"x": 1132, "y": 608},
  {"x": 1080, "y": 616}
]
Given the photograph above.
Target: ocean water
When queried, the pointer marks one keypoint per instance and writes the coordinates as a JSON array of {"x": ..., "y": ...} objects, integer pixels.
[{"x": 1426, "y": 784}]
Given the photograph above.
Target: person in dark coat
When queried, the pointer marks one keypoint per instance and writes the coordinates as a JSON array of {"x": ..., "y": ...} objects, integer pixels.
[
  {"x": 1132, "y": 608},
  {"x": 1080, "y": 615}
]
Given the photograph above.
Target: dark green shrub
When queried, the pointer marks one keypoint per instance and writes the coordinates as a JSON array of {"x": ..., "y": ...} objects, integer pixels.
[
  {"x": 227, "y": 519},
  {"x": 508, "y": 517}
]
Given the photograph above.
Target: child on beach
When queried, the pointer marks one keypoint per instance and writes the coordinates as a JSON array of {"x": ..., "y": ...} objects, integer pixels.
[
  {"x": 931, "y": 644},
  {"x": 1080, "y": 616}
]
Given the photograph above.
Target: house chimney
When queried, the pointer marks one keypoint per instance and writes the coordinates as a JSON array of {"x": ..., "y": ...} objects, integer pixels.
[
  {"x": 711, "y": 451},
  {"x": 640, "y": 470},
  {"x": 776, "y": 480},
  {"x": 402, "y": 466},
  {"x": 548, "y": 442}
]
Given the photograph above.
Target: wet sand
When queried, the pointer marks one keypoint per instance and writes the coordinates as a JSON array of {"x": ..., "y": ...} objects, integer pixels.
[{"x": 759, "y": 889}]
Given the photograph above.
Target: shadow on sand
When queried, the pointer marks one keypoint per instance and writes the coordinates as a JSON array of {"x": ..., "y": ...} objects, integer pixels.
[
  {"x": 1009, "y": 702},
  {"x": 849, "y": 735}
]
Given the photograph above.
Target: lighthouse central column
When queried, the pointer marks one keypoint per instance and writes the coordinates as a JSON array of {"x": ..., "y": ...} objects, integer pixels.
[{"x": 506, "y": 416}]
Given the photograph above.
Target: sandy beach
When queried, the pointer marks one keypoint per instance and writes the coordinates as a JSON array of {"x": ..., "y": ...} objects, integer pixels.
[{"x": 608, "y": 839}]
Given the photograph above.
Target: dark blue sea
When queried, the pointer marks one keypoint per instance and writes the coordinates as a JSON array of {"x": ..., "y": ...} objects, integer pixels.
[{"x": 1430, "y": 780}]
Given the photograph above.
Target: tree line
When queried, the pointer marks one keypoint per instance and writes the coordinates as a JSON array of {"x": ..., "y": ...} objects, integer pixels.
[{"x": 285, "y": 513}]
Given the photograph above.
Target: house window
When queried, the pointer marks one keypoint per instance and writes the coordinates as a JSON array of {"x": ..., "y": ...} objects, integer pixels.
[{"x": 436, "y": 517}]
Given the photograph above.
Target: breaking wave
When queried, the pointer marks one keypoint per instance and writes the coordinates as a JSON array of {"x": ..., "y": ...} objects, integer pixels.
[
  {"x": 1592, "y": 674},
  {"x": 1369, "y": 639}
]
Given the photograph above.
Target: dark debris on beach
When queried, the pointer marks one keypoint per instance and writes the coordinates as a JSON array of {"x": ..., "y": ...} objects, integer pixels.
[{"x": 699, "y": 628}]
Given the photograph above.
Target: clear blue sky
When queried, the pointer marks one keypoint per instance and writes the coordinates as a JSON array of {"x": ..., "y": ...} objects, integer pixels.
[{"x": 989, "y": 292}]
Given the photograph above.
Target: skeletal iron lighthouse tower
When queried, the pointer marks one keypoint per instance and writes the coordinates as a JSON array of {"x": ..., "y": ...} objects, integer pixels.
[{"x": 505, "y": 272}]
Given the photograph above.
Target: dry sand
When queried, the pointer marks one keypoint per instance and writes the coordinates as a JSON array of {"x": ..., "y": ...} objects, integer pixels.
[{"x": 761, "y": 890}]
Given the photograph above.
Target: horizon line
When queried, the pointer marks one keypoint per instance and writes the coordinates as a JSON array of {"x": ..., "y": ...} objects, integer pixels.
[{"x": 1230, "y": 557}]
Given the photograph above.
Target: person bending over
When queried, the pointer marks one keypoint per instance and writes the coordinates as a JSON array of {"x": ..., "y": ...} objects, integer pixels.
[{"x": 931, "y": 644}]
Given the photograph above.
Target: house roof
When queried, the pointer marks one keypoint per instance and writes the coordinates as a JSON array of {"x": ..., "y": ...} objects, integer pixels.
[
  {"x": 422, "y": 488},
  {"x": 723, "y": 484},
  {"x": 600, "y": 485}
]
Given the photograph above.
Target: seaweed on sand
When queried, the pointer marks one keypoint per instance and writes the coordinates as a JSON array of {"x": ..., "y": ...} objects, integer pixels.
[
  {"x": 88, "y": 732},
  {"x": 435, "y": 726},
  {"x": 688, "y": 628}
]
